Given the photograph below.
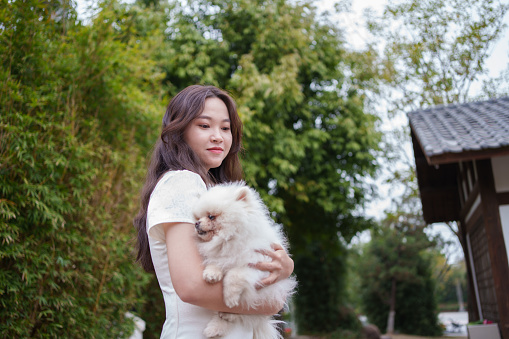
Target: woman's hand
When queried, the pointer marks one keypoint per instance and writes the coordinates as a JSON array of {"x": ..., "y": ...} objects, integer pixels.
[{"x": 280, "y": 268}]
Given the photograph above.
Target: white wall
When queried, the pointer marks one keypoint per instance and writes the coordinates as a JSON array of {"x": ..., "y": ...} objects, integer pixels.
[
  {"x": 501, "y": 173},
  {"x": 504, "y": 217}
]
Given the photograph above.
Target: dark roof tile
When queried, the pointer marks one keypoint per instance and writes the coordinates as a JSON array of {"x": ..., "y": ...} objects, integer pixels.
[{"x": 464, "y": 127}]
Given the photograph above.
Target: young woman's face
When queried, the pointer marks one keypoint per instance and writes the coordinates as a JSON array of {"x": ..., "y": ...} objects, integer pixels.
[{"x": 209, "y": 135}]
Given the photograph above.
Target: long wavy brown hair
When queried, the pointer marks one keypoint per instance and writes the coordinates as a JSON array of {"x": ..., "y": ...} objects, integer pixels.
[{"x": 171, "y": 152}]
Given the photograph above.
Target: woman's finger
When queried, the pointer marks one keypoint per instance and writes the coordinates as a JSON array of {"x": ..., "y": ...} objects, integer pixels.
[
  {"x": 277, "y": 247},
  {"x": 267, "y": 266},
  {"x": 271, "y": 254},
  {"x": 272, "y": 278}
]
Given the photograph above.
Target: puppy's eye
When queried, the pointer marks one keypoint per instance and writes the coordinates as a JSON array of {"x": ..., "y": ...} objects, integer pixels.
[{"x": 212, "y": 217}]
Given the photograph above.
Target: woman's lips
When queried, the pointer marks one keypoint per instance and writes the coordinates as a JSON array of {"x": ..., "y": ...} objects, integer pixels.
[{"x": 215, "y": 150}]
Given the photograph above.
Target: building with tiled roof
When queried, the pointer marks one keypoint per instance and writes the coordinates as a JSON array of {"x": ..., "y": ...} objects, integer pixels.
[
  {"x": 454, "y": 132},
  {"x": 462, "y": 164}
]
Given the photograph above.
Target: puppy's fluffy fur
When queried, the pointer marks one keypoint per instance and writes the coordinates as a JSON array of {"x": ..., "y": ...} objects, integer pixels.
[{"x": 232, "y": 226}]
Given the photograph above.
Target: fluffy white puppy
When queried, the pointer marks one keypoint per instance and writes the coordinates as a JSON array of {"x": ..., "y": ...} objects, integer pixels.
[{"x": 233, "y": 226}]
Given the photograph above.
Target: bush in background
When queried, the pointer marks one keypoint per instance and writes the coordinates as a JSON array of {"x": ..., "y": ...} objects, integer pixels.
[{"x": 76, "y": 116}]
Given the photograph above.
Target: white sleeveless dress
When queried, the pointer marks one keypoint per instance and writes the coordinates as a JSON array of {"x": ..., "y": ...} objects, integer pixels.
[{"x": 172, "y": 201}]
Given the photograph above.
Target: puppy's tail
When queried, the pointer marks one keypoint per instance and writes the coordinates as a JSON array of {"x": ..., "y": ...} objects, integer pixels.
[{"x": 267, "y": 330}]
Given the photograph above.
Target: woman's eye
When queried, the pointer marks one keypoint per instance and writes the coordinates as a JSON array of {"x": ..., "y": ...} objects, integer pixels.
[
  {"x": 226, "y": 128},
  {"x": 211, "y": 217},
  {"x": 204, "y": 126}
]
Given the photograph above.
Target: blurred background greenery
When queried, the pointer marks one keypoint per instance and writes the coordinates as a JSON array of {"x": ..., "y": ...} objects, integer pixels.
[{"x": 81, "y": 101}]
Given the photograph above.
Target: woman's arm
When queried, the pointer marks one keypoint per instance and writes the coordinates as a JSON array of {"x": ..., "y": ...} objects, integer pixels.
[{"x": 185, "y": 263}]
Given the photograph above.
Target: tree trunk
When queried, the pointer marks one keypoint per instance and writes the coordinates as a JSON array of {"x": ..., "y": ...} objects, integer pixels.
[
  {"x": 459, "y": 294},
  {"x": 392, "y": 309}
]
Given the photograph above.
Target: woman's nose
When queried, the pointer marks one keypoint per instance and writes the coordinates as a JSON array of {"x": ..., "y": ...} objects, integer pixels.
[{"x": 216, "y": 136}]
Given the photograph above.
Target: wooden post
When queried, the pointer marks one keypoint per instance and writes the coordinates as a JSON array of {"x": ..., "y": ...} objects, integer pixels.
[{"x": 496, "y": 244}]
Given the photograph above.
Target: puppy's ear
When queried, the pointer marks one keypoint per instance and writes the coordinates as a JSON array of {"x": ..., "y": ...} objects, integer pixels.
[{"x": 243, "y": 194}]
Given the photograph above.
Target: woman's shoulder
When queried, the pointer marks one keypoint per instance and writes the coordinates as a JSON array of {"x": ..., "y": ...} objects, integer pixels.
[
  {"x": 184, "y": 178},
  {"x": 180, "y": 174}
]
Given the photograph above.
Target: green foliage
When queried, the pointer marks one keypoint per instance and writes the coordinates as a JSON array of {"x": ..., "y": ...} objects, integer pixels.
[
  {"x": 438, "y": 48},
  {"x": 308, "y": 144},
  {"x": 308, "y": 138},
  {"x": 447, "y": 279},
  {"x": 399, "y": 252},
  {"x": 153, "y": 310},
  {"x": 354, "y": 331},
  {"x": 433, "y": 51},
  {"x": 77, "y": 105},
  {"x": 320, "y": 291},
  {"x": 81, "y": 106}
]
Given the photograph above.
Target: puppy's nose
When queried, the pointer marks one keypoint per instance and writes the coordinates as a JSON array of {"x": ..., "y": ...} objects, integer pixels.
[{"x": 197, "y": 225}]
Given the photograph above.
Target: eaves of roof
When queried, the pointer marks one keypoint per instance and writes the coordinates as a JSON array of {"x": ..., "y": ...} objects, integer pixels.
[{"x": 453, "y": 133}]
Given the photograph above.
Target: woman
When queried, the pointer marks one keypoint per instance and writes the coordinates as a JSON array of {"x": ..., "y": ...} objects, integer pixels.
[{"x": 199, "y": 146}]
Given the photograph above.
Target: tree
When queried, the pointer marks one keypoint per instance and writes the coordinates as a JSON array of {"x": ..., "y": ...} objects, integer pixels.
[
  {"x": 398, "y": 262},
  {"x": 433, "y": 52},
  {"x": 309, "y": 140},
  {"x": 77, "y": 105},
  {"x": 451, "y": 283},
  {"x": 93, "y": 93},
  {"x": 437, "y": 49},
  {"x": 397, "y": 285},
  {"x": 308, "y": 145}
]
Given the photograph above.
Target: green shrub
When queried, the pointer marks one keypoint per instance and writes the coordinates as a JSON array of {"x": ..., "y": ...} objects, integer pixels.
[
  {"x": 69, "y": 172},
  {"x": 400, "y": 254}
]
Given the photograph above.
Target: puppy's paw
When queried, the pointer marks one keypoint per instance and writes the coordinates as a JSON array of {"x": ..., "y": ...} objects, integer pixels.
[
  {"x": 216, "y": 328},
  {"x": 234, "y": 285},
  {"x": 213, "y": 332},
  {"x": 231, "y": 299},
  {"x": 212, "y": 274},
  {"x": 230, "y": 317}
]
